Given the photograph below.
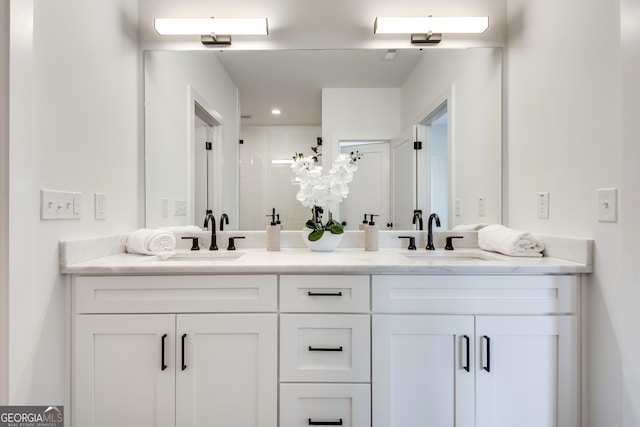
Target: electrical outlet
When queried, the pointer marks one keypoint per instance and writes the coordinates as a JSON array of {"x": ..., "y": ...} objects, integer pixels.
[
  {"x": 481, "y": 206},
  {"x": 100, "y": 205},
  {"x": 543, "y": 205},
  {"x": 458, "y": 207},
  {"x": 607, "y": 205}
]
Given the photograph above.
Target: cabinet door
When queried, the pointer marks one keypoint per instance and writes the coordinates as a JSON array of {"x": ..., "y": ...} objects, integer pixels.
[
  {"x": 227, "y": 370},
  {"x": 123, "y": 371},
  {"x": 423, "y": 372},
  {"x": 527, "y": 371}
]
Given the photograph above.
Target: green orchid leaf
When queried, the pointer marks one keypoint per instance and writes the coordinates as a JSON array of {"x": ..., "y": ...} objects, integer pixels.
[
  {"x": 310, "y": 224},
  {"x": 335, "y": 227},
  {"x": 315, "y": 235}
]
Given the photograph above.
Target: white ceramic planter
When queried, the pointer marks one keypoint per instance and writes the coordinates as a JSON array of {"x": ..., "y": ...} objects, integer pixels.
[{"x": 327, "y": 243}]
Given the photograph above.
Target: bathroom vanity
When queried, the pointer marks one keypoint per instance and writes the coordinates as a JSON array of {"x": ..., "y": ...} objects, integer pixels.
[{"x": 352, "y": 338}]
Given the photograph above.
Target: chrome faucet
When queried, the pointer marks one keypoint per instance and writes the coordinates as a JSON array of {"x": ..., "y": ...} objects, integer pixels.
[
  {"x": 224, "y": 219},
  {"x": 212, "y": 219},
  {"x": 433, "y": 216},
  {"x": 417, "y": 216}
]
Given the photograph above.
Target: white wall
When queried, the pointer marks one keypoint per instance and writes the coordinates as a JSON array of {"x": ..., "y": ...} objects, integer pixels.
[
  {"x": 358, "y": 114},
  {"x": 568, "y": 87},
  {"x": 295, "y": 24},
  {"x": 627, "y": 291},
  {"x": 74, "y": 126},
  {"x": 4, "y": 200},
  {"x": 475, "y": 118},
  {"x": 168, "y": 77}
]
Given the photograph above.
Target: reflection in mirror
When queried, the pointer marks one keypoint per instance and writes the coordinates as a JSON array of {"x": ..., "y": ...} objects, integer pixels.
[{"x": 448, "y": 102}]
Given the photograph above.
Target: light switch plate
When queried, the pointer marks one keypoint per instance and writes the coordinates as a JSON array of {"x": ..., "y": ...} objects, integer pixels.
[
  {"x": 180, "y": 208},
  {"x": 60, "y": 205},
  {"x": 165, "y": 207},
  {"x": 607, "y": 205}
]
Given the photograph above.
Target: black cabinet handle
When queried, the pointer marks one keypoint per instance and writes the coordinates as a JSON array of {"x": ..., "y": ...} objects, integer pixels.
[
  {"x": 163, "y": 366},
  {"x": 467, "y": 341},
  {"x": 184, "y": 337},
  {"x": 325, "y": 348},
  {"x": 325, "y": 294},
  {"x": 487, "y": 367},
  {"x": 325, "y": 423}
]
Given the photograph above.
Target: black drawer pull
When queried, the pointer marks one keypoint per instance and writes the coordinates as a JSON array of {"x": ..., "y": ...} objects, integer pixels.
[
  {"x": 325, "y": 348},
  {"x": 325, "y": 423},
  {"x": 325, "y": 294}
]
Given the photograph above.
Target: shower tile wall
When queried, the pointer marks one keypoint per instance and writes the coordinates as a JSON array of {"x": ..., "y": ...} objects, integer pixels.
[{"x": 265, "y": 184}]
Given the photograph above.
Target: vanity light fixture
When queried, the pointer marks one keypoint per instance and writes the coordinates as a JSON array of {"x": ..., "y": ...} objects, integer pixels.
[
  {"x": 429, "y": 29},
  {"x": 212, "y": 31}
]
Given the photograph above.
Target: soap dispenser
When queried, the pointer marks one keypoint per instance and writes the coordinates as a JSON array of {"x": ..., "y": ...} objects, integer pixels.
[
  {"x": 273, "y": 232},
  {"x": 371, "y": 235}
]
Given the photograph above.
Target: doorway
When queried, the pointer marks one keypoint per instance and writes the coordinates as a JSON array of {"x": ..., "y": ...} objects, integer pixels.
[
  {"x": 206, "y": 136},
  {"x": 433, "y": 173},
  {"x": 370, "y": 190}
]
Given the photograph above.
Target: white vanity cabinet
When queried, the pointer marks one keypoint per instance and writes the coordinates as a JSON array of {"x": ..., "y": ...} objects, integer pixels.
[
  {"x": 484, "y": 351},
  {"x": 174, "y": 351},
  {"x": 325, "y": 346},
  {"x": 293, "y": 350}
]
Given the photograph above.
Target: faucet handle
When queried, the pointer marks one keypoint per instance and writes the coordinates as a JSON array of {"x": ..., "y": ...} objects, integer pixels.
[
  {"x": 232, "y": 246},
  {"x": 194, "y": 243},
  {"x": 412, "y": 242},
  {"x": 449, "y": 245},
  {"x": 214, "y": 242}
]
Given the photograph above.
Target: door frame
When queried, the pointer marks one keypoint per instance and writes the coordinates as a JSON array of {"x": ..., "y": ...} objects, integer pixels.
[
  {"x": 211, "y": 117},
  {"x": 355, "y": 142},
  {"x": 446, "y": 98}
]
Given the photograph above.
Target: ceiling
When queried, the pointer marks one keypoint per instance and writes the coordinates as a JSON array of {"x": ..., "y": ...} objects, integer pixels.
[
  {"x": 314, "y": 44},
  {"x": 292, "y": 80}
]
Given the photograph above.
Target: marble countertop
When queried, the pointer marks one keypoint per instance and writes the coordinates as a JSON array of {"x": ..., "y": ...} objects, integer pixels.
[{"x": 340, "y": 261}]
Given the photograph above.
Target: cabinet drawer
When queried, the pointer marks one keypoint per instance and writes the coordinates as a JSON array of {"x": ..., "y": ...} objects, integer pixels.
[
  {"x": 325, "y": 348},
  {"x": 347, "y": 405},
  {"x": 324, "y": 293},
  {"x": 175, "y": 294},
  {"x": 475, "y": 294}
]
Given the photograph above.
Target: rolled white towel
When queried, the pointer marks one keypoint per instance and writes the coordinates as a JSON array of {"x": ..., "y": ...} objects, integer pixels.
[
  {"x": 182, "y": 229},
  {"x": 507, "y": 241},
  {"x": 469, "y": 227},
  {"x": 151, "y": 242}
]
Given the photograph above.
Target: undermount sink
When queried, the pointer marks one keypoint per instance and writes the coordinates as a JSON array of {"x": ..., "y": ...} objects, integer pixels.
[
  {"x": 434, "y": 256},
  {"x": 208, "y": 256}
]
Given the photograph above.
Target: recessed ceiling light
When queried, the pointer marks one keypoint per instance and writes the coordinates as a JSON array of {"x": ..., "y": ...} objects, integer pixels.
[{"x": 276, "y": 111}]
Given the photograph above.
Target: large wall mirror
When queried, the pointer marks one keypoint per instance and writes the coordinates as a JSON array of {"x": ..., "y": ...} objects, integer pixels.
[{"x": 427, "y": 122}]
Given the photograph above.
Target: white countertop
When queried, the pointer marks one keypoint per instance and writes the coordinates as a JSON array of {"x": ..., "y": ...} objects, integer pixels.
[{"x": 340, "y": 261}]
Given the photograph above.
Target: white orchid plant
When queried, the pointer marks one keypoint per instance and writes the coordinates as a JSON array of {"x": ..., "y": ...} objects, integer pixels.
[{"x": 322, "y": 193}]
